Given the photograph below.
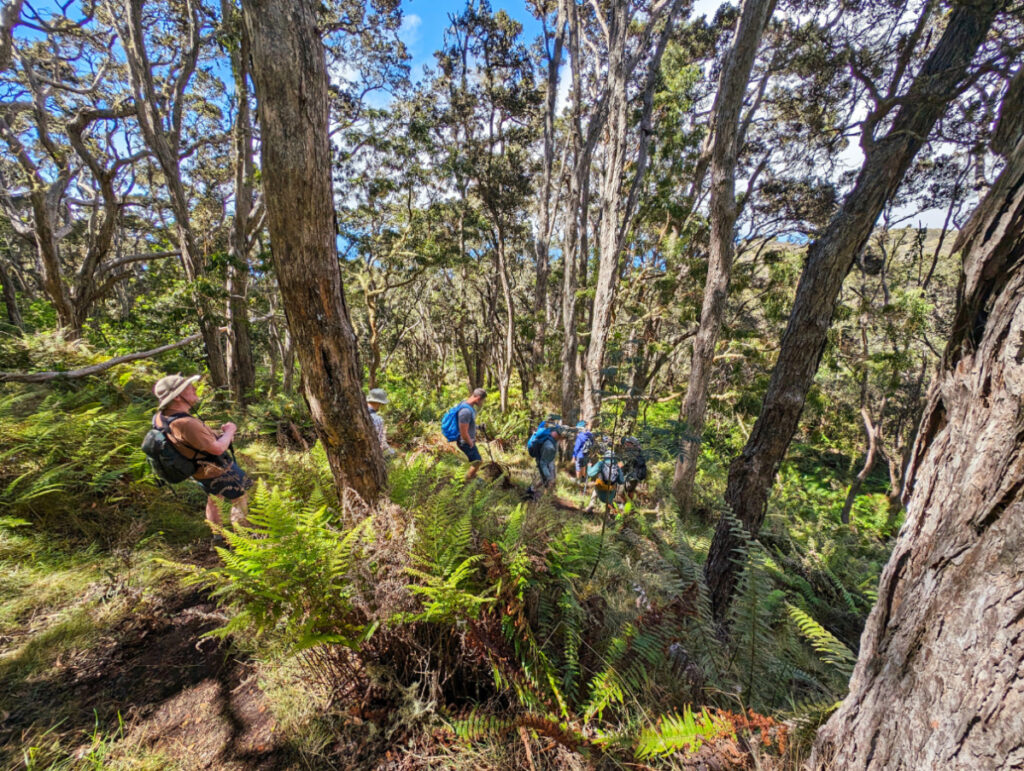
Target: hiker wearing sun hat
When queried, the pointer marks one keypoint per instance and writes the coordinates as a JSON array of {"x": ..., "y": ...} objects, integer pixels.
[
  {"x": 216, "y": 471},
  {"x": 376, "y": 399}
]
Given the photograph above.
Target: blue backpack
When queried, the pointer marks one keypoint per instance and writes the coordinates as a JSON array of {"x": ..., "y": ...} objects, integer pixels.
[
  {"x": 536, "y": 441},
  {"x": 450, "y": 422}
]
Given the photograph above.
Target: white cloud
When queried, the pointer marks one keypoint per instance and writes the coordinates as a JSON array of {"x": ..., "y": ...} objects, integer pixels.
[
  {"x": 409, "y": 32},
  {"x": 706, "y": 7},
  {"x": 564, "y": 84}
]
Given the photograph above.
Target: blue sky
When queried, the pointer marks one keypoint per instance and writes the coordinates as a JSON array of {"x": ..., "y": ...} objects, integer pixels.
[{"x": 425, "y": 22}]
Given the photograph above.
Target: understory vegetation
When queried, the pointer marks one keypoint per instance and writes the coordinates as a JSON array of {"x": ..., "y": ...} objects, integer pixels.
[
  {"x": 776, "y": 245},
  {"x": 452, "y": 624}
]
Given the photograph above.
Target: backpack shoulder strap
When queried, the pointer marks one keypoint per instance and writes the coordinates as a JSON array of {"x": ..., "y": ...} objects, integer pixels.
[{"x": 166, "y": 430}]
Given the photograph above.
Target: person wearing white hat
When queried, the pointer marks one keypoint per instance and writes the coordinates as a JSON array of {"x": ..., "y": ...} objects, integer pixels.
[
  {"x": 217, "y": 472},
  {"x": 376, "y": 399}
]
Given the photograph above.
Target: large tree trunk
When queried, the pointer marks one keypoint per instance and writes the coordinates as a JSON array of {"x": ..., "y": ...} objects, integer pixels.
[
  {"x": 617, "y": 206},
  {"x": 290, "y": 76},
  {"x": 608, "y": 255},
  {"x": 939, "y": 682},
  {"x": 732, "y": 87},
  {"x": 828, "y": 261},
  {"x": 575, "y": 246}
]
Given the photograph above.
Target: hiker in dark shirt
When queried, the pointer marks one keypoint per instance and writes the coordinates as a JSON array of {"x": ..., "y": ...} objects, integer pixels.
[
  {"x": 634, "y": 467},
  {"x": 217, "y": 472},
  {"x": 545, "y": 454}
]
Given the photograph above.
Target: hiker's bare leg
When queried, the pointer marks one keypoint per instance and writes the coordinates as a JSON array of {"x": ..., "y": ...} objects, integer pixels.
[
  {"x": 212, "y": 510},
  {"x": 473, "y": 468},
  {"x": 239, "y": 508}
]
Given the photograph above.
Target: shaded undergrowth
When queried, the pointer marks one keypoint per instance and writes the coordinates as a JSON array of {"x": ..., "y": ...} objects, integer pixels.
[{"x": 452, "y": 621}]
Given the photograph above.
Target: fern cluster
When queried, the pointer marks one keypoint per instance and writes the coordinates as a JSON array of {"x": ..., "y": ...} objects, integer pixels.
[{"x": 599, "y": 639}]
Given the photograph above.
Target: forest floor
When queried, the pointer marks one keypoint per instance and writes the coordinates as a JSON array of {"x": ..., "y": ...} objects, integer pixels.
[
  {"x": 105, "y": 663},
  {"x": 177, "y": 697}
]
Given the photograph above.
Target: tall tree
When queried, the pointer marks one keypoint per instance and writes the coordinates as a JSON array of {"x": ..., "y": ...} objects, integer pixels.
[
  {"x": 626, "y": 57},
  {"x": 161, "y": 68},
  {"x": 72, "y": 151},
  {"x": 940, "y": 79},
  {"x": 939, "y": 682},
  {"x": 552, "y": 44},
  {"x": 726, "y": 140},
  {"x": 290, "y": 75},
  {"x": 248, "y": 213}
]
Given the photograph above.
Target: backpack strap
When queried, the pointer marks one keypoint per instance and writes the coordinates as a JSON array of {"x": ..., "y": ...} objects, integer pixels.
[{"x": 165, "y": 429}]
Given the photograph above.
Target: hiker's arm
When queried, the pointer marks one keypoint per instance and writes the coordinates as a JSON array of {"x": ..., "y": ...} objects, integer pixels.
[{"x": 221, "y": 445}]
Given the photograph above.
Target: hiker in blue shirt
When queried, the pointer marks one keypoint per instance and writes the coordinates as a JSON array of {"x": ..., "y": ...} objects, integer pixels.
[
  {"x": 543, "y": 448},
  {"x": 583, "y": 446},
  {"x": 459, "y": 425}
]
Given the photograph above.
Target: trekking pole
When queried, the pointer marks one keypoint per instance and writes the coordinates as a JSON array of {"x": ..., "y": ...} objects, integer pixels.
[
  {"x": 600, "y": 546},
  {"x": 487, "y": 443}
]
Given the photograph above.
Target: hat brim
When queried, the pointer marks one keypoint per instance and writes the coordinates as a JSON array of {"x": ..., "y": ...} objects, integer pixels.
[{"x": 178, "y": 391}]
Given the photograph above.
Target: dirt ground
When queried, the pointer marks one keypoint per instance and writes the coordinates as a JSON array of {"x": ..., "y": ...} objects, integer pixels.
[{"x": 177, "y": 693}]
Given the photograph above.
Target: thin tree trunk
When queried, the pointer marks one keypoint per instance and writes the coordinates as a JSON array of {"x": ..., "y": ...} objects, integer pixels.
[
  {"x": 240, "y": 364},
  {"x": 10, "y": 299},
  {"x": 505, "y": 364},
  {"x": 373, "y": 367},
  {"x": 732, "y": 88},
  {"x": 829, "y": 259},
  {"x": 939, "y": 682},
  {"x": 873, "y": 432},
  {"x": 542, "y": 242},
  {"x": 290, "y": 75},
  {"x": 165, "y": 145}
]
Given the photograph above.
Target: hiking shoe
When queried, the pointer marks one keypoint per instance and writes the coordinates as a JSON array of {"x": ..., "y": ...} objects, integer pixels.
[{"x": 218, "y": 540}]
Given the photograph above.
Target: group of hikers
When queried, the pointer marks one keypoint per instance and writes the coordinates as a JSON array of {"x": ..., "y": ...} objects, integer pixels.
[
  {"x": 181, "y": 446},
  {"x": 594, "y": 458}
]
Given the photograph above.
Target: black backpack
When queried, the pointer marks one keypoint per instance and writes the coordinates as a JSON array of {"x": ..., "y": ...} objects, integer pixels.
[{"x": 167, "y": 463}]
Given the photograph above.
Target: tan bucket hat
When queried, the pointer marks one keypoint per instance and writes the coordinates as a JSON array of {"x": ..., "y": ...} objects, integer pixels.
[
  {"x": 377, "y": 396},
  {"x": 167, "y": 389}
]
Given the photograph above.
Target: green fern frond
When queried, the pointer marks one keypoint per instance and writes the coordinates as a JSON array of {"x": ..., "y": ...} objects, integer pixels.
[
  {"x": 686, "y": 731},
  {"x": 829, "y": 649}
]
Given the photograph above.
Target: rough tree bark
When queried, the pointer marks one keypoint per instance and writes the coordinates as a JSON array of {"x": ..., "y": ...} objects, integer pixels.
[
  {"x": 575, "y": 247},
  {"x": 829, "y": 259},
  {"x": 732, "y": 87},
  {"x": 290, "y": 76},
  {"x": 10, "y": 299},
  {"x": 939, "y": 682}
]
